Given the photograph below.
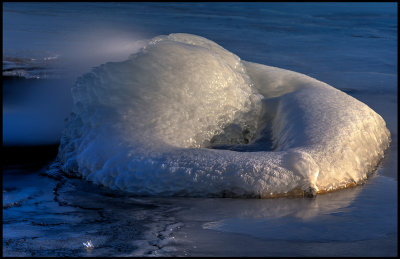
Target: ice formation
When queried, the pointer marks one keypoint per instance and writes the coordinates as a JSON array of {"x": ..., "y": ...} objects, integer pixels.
[{"x": 150, "y": 125}]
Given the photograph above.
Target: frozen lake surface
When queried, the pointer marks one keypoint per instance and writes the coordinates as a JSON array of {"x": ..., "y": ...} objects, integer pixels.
[
  {"x": 352, "y": 47},
  {"x": 47, "y": 217}
]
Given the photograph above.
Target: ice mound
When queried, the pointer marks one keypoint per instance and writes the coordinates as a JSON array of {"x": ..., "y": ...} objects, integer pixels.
[{"x": 148, "y": 126}]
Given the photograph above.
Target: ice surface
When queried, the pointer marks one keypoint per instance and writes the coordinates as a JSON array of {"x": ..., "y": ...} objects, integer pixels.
[
  {"x": 145, "y": 126},
  {"x": 351, "y": 46},
  {"x": 58, "y": 216}
]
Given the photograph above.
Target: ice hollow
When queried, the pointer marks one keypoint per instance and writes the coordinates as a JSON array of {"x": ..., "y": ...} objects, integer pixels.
[{"x": 148, "y": 126}]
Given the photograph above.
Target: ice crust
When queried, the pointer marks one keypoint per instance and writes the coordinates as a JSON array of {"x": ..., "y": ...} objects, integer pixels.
[{"x": 146, "y": 125}]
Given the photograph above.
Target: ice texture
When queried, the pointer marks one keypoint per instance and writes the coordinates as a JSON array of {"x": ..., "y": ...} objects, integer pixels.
[{"x": 147, "y": 125}]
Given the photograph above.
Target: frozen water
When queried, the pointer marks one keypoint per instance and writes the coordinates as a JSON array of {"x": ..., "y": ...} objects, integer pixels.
[
  {"x": 58, "y": 216},
  {"x": 144, "y": 125},
  {"x": 350, "y": 46}
]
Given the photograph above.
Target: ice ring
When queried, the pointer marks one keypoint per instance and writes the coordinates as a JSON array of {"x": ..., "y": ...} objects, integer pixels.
[{"x": 185, "y": 117}]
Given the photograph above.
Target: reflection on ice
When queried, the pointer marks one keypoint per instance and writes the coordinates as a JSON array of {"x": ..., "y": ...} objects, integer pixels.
[
  {"x": 344, "y": 216},
  {"x": 305, "y": 209}
]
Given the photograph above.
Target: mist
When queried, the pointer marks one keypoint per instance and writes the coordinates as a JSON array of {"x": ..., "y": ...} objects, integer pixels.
[{"x": 34, "y": 109}]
